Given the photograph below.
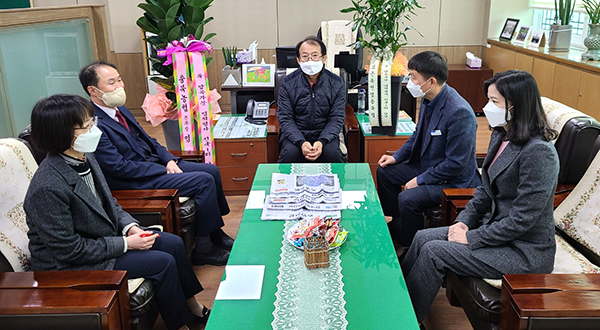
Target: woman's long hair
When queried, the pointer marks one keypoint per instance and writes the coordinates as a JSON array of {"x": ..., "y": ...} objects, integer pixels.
[{"x": 528, "y": 116}]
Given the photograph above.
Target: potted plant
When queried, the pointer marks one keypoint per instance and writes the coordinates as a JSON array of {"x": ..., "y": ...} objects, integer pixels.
[
  {"x": 231, "y": 73},
  {"x": 560, "y": 31},
  {"x": 170, "y": 20},
  {"x": 592, "y": 41},
  {"x": 384, "y": 22}
]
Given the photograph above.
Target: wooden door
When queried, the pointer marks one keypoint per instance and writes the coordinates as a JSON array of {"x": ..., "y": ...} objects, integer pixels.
[
  {"x": 543, "y": 72},
  {"x": 588, "y": 94},
  {"x": 567, "y": 81}
]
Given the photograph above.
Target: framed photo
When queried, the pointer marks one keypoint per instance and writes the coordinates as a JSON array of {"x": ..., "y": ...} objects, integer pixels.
[
  {"x": 508, "y": 31},
  {"x": 258, "y": 75},
  {"x": 522, "y": 34},
  {"x": 538, "y": 39}
]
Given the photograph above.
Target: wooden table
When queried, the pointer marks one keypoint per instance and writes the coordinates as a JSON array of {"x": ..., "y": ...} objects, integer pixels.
[
  {"x": 374, "y": 290},
  {"x": 550, "y": 301}
]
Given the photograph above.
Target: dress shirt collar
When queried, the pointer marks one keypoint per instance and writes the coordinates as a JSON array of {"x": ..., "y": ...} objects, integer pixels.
[
  {"x": 432, "y": 104},
  {"x": 111, "y": 112}
]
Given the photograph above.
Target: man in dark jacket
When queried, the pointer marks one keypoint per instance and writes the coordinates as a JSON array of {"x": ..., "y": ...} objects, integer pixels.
[{"x": 311, "y": 108}]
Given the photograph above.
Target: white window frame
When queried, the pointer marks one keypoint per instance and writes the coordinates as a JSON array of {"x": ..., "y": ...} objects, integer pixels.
[{"x": 576, "y": 40}]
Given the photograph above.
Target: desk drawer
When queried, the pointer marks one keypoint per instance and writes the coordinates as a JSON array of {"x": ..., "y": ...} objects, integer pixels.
[
  {"x": 237, "y": 179},
  {"x": 376, "y": 148},
  {"x": 239, "y": 153}
]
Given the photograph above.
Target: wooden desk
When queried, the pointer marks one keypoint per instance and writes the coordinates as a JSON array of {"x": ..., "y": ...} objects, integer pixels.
[
  {"x": 238, "y": 158},
  {"x": 374, "y": 146},
  {"x": 352, "y": 143},
  {"x": 550, "y": 301},
  {"x": 469, "y": 84}
]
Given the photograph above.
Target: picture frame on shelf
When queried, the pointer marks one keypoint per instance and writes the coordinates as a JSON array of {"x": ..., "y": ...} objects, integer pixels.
[
  {"x": 508, "y": 31},
  {"x": 522, "y": 35},
  {"x": 258, "y": 75},
  {"x": 538, "y": 39}
]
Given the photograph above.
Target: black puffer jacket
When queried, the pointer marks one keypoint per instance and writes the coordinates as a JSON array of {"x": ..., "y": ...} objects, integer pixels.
[{"x": 311, "y": 114}]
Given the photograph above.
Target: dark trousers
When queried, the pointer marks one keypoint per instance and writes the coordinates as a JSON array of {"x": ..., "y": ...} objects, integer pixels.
[
  {"x": 290, "y": 153},
  {"x": 166, "y": 264},
  {"x": 202, "y": 182},
  {"x": 406, "y": 207},
  {"x": 427, "y": 261}
]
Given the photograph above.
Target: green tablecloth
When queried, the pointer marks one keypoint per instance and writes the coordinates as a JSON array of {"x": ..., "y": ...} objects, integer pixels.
[{"x": 375, "y": 293}]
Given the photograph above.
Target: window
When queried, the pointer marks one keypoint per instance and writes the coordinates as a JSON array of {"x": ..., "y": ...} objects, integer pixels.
[{"x": 543, "y": 18}]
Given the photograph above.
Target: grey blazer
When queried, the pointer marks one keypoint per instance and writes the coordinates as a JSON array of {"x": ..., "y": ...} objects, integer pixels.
[
  {"x": 69, "y": 228},
  {"x": 517, "y": 236}
]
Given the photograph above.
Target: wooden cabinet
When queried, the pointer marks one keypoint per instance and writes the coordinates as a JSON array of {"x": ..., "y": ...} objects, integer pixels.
[
  {"x": 377, "y": 146},
  {"x": 543, "y": 72},
  {"x": 237, "y": 160},
  {"x": 561, "y": 76},
  {"x": 524, "y": 62},
  {"x": 499, "y": 59},
  {"x": 469, "y": 84},
  {"x": 566, "y": 85},
  {"x": 589, "y": 91}
]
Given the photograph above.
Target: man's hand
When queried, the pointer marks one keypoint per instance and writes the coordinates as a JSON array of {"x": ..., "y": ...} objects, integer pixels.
[
  {"x": 306, "y": 148},
  {"x": 411, "y": 184},
  {"x": 316, "y": 151},
  {"x": 458, "y": 233},
  {"x": 134, "y": 230},
  {"x": 139, "y": 241},
  {"x": 386, "y": 160},
  {"x": 173, "y": 168}
]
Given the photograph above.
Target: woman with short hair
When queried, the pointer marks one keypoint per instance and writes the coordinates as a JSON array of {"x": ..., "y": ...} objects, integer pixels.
[
  {"x": 76, "y": 224},
  {"x": 508, "y": 226}
]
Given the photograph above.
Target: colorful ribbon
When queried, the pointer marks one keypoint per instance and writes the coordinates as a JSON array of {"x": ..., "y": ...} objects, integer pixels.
[{"x": 187, "y": 44}]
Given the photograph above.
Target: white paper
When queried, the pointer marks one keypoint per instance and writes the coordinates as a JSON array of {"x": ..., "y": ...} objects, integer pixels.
[
  {"x": 241, "y": 283},
  {"x": 351, "y": 199},
  {"x": 256, "y": 199}
]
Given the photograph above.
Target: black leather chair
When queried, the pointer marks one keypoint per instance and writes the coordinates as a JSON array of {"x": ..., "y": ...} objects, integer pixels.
[{"x": 577, "y": 145}]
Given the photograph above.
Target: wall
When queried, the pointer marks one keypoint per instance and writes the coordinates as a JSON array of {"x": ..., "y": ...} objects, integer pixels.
[
  {"x": 285, "y": 22},
  {"x": 500, "y": 10}
]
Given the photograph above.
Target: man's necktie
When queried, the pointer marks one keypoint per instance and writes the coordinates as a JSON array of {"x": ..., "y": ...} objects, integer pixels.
[{"x": 121, "y": 119}]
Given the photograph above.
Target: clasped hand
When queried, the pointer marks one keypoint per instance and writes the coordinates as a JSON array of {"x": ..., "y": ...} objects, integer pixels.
[
  {"x": 172, "y": 167},
  {"x": 139, "y": 239},
  {"x": 312, "y": 152},
  {"x": 458, "y": 233}
]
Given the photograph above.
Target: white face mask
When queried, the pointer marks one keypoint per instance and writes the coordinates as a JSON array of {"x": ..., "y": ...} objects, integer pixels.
[
  {"x": 115, "y": 98},
  {"x": 87, "y": 142},
  {"x": 496, "y": 116},
  {"x": 415, "y": 90},
  {"x": 311, "y": 68}
]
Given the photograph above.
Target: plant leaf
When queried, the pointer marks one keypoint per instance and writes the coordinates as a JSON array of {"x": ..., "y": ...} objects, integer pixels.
[
  {"x": 199, "y": 31},
  {"x": 142, "y": 22},
  {"x": 155, "y": 11},
  {"x": 164, "y": 5},
  {"x": 192, "y": 14},
  {"x": 172, "y": 13},
  {"x": 175, "y": 33},
  {"x": 201, "y": 3},
  {"x": 209, "y": 35}
]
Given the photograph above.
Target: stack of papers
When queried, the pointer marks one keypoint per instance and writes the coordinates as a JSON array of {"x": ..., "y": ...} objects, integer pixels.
[
  {"x": 235, "y": 127},
  {"x": 300, "y": 196}
]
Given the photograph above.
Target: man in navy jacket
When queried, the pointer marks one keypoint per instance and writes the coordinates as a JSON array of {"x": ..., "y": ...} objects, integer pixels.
[
  {"x": 130, "y": 159},
  {"x": 440, "y": 154}
]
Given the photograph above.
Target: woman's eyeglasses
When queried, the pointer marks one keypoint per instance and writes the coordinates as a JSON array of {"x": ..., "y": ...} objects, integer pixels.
[{"x": 90, "y": 125}]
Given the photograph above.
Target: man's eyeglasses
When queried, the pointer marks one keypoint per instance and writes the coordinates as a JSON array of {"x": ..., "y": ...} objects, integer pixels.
[
  {"x": 314, "y": 57},
  {"x": 90, "y": 125}
]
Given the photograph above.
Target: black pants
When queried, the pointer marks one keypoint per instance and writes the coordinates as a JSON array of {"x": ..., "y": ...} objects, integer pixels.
[
  {"x": 290, "y": 153},
  {"x": 166, "y": 264},
  {"x": 406, "y": 207}
]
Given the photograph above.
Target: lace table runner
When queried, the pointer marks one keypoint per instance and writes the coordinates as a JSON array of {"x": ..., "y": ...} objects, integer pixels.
[{"x": 308, "y": 298}]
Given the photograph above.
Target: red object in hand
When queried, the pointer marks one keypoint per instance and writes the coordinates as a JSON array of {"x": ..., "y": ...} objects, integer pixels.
[{"x": 146, "y": 235}]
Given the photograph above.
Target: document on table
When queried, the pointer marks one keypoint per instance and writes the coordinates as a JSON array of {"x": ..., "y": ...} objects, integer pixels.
[{"x": 242, "y": 282}]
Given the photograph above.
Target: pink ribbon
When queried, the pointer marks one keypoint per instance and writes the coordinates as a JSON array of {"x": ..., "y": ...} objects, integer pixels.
[{"x": 177, "y": 46}]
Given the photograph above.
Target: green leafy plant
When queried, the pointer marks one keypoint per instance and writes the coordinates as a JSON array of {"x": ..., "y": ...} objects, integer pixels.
[
  {"x": 383, "y": 21},
  {"x": 172, "y": 20},
  {"x": 564, "y": 11},
  {"x": 229, "y": 53},
  {"x": 592, "y": 7}
]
